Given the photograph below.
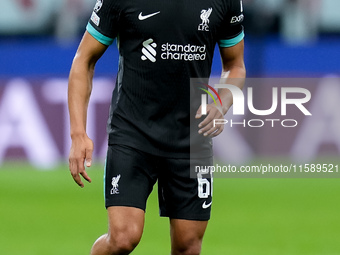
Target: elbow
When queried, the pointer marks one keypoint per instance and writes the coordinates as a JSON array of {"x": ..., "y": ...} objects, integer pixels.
[
  {"x": 83, "y": 65},
  {"x": 234, "y": 71}
]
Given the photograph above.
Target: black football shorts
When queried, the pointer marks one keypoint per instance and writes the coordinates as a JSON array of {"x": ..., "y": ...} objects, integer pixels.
[{"x": 130, "y": 175}]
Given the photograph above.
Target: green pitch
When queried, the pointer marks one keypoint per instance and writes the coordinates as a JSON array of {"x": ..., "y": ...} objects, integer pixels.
[{"x": 46, "y": 213}]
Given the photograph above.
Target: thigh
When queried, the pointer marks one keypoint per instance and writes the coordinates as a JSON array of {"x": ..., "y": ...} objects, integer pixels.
[
  {"x": 129, "y": 177},
  {"x": 183, "y": 197},
  {"x": 186, "y": 236}
]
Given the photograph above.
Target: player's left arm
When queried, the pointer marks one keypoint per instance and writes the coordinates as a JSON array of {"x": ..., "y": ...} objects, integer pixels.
[{"x": 233, "y": 72}]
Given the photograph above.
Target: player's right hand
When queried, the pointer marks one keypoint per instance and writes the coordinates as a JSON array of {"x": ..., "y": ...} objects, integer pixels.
[{"x": 81, "y": 152}]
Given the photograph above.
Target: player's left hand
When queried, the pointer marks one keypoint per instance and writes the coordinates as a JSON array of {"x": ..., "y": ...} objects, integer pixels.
[{"x": 206, "y": 127}]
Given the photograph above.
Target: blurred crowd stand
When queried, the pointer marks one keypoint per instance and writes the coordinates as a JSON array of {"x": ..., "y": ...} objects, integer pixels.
[
  {"x": 296, "y": 21},
  {"x": 63, "y": 18},
  {"x": 300, "y": 20},
  {"x": 70, "y": 19}
]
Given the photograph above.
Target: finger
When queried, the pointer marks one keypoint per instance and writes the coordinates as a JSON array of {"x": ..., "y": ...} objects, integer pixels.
[
  {"x": 207, "y": 124},
  {"x": 218, "y": 131},
  {"x": 208, "y": 119},
  {"x": 88, "y": 155},
  {"x": 205, "y": 129},
  {"x": 73, "y": 166},
  {"x": 199, "y": 113},
  {"x": 213, "y": 113},
  {"x": 210, "y": 131},
  {"x": 86, "y": 177},
  {"x": 81, "y": 168},
  {"x": 77, "y": 179}
]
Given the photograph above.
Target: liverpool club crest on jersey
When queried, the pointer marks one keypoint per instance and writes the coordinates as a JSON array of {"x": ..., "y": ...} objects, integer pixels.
[{"x": 205, "y": 14}]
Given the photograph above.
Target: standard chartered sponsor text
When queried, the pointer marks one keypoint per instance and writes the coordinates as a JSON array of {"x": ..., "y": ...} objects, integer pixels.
[{"x": 183, "y": 52}]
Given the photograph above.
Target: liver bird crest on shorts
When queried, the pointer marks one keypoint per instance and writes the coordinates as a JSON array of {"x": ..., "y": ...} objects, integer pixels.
[
  {"x": 114, "y": 183},
  {"x": 205, "y": 14}
]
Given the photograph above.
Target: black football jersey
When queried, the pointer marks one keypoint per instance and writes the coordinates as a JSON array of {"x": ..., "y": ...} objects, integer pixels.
[{"x": 162, "y": 44}]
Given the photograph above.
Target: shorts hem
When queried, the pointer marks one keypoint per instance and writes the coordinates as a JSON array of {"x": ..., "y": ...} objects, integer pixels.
[
  {"x": 124, "y": 205},
  {"x": 187, "y": 217}
]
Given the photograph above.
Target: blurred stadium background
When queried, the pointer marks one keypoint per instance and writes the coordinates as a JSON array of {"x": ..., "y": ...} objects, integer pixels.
[{"x": 43, "y": 212}]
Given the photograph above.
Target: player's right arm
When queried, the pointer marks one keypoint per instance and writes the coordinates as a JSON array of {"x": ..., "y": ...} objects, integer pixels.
[{"x": 79, "y": 91}]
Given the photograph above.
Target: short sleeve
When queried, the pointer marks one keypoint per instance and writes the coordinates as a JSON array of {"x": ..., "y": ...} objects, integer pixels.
[
  {"x": 103, "y": 24},
  {"x": 232, "y": 32}
]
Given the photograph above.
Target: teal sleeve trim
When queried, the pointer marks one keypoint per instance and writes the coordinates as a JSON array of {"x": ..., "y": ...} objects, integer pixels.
[
  {"x": 231, "y": 42},
  {"x": 98, "y": 36}
]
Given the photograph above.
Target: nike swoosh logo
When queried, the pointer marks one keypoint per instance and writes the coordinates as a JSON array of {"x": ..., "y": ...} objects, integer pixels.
[
  {"x": 205, "y": 206},
  {"x": 142, "y": 17}
]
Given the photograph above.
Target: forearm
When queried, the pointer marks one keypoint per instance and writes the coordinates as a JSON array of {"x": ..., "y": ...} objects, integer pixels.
[
  {"x": 79, "y": 91},
  {"x": 234, "y": 76}
]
